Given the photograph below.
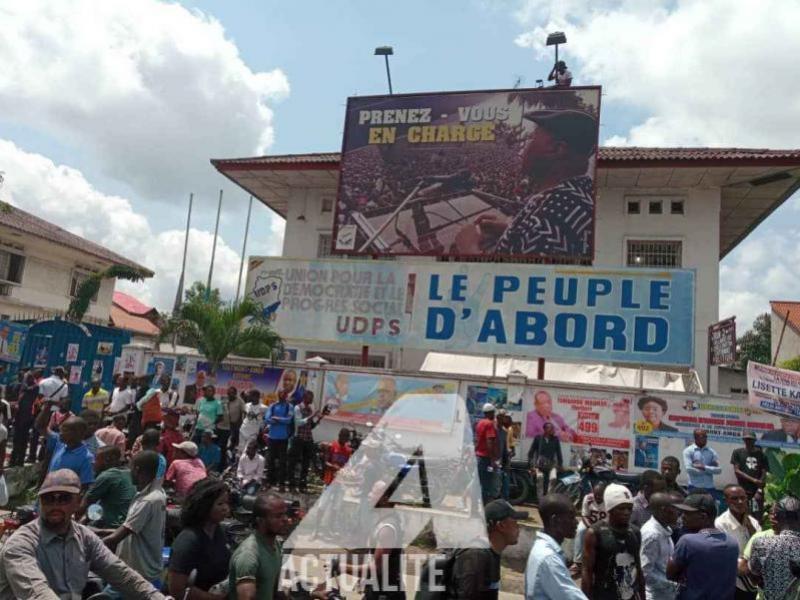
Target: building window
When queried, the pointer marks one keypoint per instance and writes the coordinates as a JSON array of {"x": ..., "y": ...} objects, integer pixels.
[
  {"x": 11, "y": 266},
  {"x": 324, "y": 243},
  {"x": 78, "y": 277},
  {"x": 634, "y": 207},
  {"x": 676, "y": 207},
  {"x": 327, "y": 204},
  {"x": 655, "y": 207},
  {"x": 654, "y": 253}
]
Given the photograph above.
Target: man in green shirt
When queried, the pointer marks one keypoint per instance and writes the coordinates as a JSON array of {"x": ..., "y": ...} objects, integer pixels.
[
  {"x": 209, "y": 413},
  {"x": 256, "y": 564},
  {"x": 112, "y": 489}
]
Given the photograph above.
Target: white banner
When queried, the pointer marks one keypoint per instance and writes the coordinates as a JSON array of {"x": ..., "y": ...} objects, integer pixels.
[{"x": 774, "y": 390}]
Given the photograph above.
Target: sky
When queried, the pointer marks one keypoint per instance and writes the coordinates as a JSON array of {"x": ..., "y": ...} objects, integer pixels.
[{"x": 111, "y": 109}]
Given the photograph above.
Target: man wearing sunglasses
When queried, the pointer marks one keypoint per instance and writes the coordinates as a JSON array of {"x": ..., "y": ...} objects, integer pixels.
[{"x": 51, "y": 557}]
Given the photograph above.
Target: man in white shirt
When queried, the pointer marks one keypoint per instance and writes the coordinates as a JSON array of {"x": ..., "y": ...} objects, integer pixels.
[
  {"x": 657, "y": 547},
  {"x": 740, "y": 526},
  {"x": 122, "y": 397},
  {"x": 250, "y": 471},
  {"x": 54, "y": 388}
]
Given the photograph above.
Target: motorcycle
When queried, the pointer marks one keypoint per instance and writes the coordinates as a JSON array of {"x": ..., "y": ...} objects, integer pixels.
[{"x": 576, "y": 485}]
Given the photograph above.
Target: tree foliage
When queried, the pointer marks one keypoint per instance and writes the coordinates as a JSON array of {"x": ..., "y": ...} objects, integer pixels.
[
  {"x": 89, "y": 288},
  {"x": 755, "y": 344},
  {"x": 793, "y": 364},
  {"x": 219, "y": 330},
  {"x": 197, "y": 292}
]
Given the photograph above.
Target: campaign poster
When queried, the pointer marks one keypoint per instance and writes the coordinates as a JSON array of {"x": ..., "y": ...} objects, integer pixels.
[
  {"x": 42, "y": 355},
  {"x": 364, "y": 398},
  {"x": 646, "y": 452},
  {"x": 72, "y": 352},
  {"x": 12, "y": 340},
  {"x": 722, "y": 342},
  {"x": 105, "y": 348},
  {"x": 267, "y": 380},
  {"x": 97, "y": 368},
  {"x": 130, "y": 361},
  {"x": 774, "y": 390},
  {"x": 158, "y": 366},
  {"x": 75, "y": 372},
  {"x": 469, "y": 174}
]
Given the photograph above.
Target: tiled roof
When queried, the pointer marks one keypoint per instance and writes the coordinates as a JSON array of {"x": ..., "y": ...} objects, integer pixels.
[
  {"x": 24, "y": 222},
  {"x": 130, "y": 304},
  {"x": 609, "y": 156},
  {"x": 793, "y": 308},
  {"x": 123, "y": 320}
]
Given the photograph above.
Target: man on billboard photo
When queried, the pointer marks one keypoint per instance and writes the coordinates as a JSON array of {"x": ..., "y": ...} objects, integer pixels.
[{"x": 543, "y": 413}]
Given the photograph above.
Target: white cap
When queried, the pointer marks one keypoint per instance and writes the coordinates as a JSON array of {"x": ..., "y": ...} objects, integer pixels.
[
  {"x": 616, "y": 495},
  {"x": 189, "y": 447},
  {"x": 488, "y": 407}
]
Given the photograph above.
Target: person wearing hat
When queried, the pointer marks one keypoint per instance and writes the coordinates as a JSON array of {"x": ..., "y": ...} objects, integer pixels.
[
  {"x": 560, "y": 74},
  {"x": 476, "y": 571},
  {"x": 611, "y": 561},
  {"x": 750, "y": 467},
  {"x": 653, "y": 410},
  {"x": 96, "y": 398},
  {"x": 51, "y": 557},
  {"x": 546, "y": 574},
  {"x": 705, "y": 559},
  {"x": 557, "y": 218},
  {"x": 487, "y": 452},
  {"x": 186, "y": 469},
  {"x": 209, "y": 452}
]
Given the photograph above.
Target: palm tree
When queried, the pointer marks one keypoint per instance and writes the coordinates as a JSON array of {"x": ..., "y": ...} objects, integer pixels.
[
  {"x": 89, "y": 288},
  {"x": 218, "y": 331}
]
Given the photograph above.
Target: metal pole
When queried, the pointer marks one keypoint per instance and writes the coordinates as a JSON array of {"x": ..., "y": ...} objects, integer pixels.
[
  {"x": 540, "y": 369},
  {"x": 244, "y": 247},
  {"x": 780, "y": 339},
  {"x": 388, "y": 74},
  {"x": 179, "y": 295},
  {"x": 213, "y": 249}
]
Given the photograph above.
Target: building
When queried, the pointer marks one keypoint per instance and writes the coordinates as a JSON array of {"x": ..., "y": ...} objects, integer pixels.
[
  {"x": 656, "y": 207},
  {"x": 136, "y": 317},
  {"x": 42, "y": 266},
  {"x": 785, "y": 324}
]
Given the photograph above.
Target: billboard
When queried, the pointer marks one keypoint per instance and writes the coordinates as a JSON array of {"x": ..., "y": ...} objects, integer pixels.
[
  {"x": 722, "y": 342},
  {"x": 776, "y": 391},
  {"x": 487, "y": 173},
  {"x": 636, "y": 316},
  {"x": 267, "y": 380},
  {"x": 12, "y": 340}
]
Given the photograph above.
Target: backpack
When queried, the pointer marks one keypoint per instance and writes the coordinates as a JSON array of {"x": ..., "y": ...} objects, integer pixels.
[{"x": 442, "y": 564}]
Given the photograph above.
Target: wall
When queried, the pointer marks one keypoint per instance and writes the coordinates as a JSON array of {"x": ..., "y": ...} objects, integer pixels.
[
  {"x": 731, "y": 380},
  {"x": 46, "y": 280},
  {"x": 697, "y": 229},
  {"x": 790, "y": 346}
]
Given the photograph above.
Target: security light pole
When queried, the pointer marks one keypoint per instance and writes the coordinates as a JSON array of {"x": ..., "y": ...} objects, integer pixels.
[{"x": 386, "y": 52}]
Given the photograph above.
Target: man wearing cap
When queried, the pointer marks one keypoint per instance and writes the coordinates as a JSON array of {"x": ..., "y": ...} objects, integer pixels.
[
  {"x": 546, "y": 573},
  {"x": 186, "y": 469},
  {"x": 705, "y": 559},
  {"x": 51, "y": 557},
  {"x": 750, "y": 467},
  {"x": 775, "y": 560},
  {"x": 557, "y": 218},
  {"x": 96, "y": 398},
  {"x": 476, "y": 571},
  {"x": 487, "y": 451},
  {"x": 701, "y": 464},
  {"x": 611, "y": 561}
]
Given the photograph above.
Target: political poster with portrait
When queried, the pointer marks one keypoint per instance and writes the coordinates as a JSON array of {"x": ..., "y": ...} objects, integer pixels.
[
  {"x": 364, "y": 398},
  {"x": 158, "y": 366},
  {"x": 72, "y": 352},
  {"x": 12, "y": 341},
  {"x": 469, "y": 174},
  {"x": 497, "y": 396},
  {"x": 774, "y": 390},
  {"x": 269, "y": 381}
]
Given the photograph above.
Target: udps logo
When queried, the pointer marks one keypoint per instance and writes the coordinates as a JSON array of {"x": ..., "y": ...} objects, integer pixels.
[{"x": 267, "y": 292}]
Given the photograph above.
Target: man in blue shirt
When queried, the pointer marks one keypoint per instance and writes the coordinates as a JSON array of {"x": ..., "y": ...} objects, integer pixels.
[
  {"x": 209, "y": 452},
  {"x": 701, "y": 464},
  {"x": 705, "y": 560},
  {"x": 279, "y": 418},
  {"x": 67, "y": 449},
  {"x": 546, "y": 574}
]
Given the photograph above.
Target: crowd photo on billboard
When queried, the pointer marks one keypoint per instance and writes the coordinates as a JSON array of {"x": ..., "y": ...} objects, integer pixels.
[{"x": 507, "y": 172}]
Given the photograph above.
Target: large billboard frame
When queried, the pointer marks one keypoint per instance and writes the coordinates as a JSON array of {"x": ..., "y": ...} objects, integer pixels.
[{"x": 539, "y": 258}]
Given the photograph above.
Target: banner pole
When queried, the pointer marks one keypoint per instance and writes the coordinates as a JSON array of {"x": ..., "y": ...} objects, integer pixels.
[
  {"x": 179, "y": 294},
  {"x": 244, "y": 248},
  {"x": 780, "y": 339},
  {"x": 213, "y": 249}
]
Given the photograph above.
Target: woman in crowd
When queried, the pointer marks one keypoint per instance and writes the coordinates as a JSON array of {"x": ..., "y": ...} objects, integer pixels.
[{"x": 201, "y": 545}]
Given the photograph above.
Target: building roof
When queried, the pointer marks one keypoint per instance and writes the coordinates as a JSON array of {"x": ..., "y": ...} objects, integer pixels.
[
  {"x": 782, "y": 308},
  {"x": 24, "y": 222},
  {"x": 131, "y": 305},
  {"x": 753, "y": 181},
  {"x": 132, "y": 323}
]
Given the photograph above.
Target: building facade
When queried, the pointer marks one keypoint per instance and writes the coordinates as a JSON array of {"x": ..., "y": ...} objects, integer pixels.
[{"x": 655, "y": 207}]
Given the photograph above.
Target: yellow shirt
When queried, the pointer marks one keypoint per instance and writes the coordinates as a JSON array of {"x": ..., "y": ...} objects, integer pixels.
[{"x": 96, "y": 401}]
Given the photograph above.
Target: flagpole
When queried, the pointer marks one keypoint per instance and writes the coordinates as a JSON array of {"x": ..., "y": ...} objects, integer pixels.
[
  {"x": 179, "y": 295},
  {"x": 244, "y": 247},
  {"x": 213, "y": 249}
]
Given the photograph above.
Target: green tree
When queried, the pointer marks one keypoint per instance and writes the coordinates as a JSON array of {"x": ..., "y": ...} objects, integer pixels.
[
  {"x": 793, "y": 364},
  {"x": 89, "y": 288},
  {"x": 755, "y": 344},
  {"x": 218, "y": 331},
  {"x": 197, "y": 291}
]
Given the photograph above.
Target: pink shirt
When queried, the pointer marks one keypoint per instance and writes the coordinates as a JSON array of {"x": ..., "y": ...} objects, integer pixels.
[
  {"x": 185, "y": 472},
  {"x": 111, "y": 436}
]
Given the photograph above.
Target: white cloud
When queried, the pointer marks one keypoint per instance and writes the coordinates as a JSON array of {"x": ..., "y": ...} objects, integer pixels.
[
  {"x": 150, "y": 89},
  {"x": 62, "y": 195}
]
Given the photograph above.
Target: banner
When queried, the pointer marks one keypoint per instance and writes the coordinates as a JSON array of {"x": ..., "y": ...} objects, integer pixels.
[
  {"x": 158, "y": 366},
  {"x": 364, "y": 398},
  {"x": 775, "y": 390},
  {"x": 469, "y": 174},
  {"x": 12, "y": 340},
  {"x": 722, "y": 343},
  {"x": 637, "y": 316}
]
